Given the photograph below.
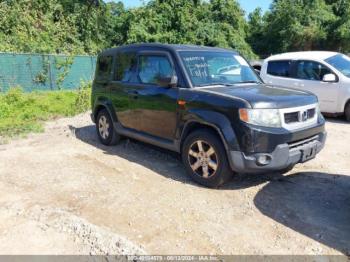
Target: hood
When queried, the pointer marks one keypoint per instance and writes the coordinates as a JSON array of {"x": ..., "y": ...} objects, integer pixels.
[{"x": 265, "y": 96}]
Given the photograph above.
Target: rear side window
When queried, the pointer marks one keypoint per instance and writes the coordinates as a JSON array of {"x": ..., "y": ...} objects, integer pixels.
[
  {"x": 125, "y": 66},
  {"x": 152, "y": 69},
  {"x": 104, "y": 67},
  {"x": 279, "y": 68},
  {"x": 310, "y": 70}
]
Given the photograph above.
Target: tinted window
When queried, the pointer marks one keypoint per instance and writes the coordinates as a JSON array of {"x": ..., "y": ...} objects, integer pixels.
[
  {"x": 279, "y": 68},
  {"x": 340, "y": 62},
  {"x": 125, "y": 65},
  {"x": 310, "y": 70},
  {"x": 152, "y": 69},
  {"x": 104, "y": 67}
]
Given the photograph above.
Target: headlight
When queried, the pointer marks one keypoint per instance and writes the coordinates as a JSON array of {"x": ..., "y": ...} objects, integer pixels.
[{"x": 261, "y": 117}]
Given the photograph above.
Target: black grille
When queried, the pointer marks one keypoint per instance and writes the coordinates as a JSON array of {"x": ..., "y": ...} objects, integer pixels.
[
  {"x": 311, "y": 113},
  {"x": 295, "y": 117},
  {"x": 291, "y": 117}
]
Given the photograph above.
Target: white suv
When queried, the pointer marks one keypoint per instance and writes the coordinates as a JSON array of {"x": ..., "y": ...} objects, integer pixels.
[{"x": 326, "y": 74}]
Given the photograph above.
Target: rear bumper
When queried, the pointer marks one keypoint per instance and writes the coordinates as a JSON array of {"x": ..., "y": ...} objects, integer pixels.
[{"x": 282, "y": 157}]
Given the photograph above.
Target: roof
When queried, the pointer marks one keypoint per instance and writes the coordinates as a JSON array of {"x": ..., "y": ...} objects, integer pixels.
[
  {"x": 172, "y": 47},
  {"x": 314, "y": 55}
]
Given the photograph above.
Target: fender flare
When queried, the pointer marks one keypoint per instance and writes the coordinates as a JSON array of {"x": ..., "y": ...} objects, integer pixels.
[
  {"x": 214, "y": 120},
  {"x": 105, "y": 103}
]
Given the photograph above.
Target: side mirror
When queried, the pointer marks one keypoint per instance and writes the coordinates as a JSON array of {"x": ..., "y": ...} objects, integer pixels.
[
  {"x": 330, "y": 78},
  {"x": 168, "y": 81},
  {"x": 173, "y": 81}
]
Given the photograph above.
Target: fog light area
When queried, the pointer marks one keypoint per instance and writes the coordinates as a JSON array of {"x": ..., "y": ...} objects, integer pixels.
[{"x": 263, "y": 160}]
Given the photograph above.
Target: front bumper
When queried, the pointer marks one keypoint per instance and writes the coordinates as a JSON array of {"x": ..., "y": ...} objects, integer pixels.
[{"x": 282, "y": 157}]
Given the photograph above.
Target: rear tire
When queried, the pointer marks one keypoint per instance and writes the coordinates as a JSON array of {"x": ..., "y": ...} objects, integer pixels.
[
  {"x": 205, "y": 160},
  {"x": 347, "y": 112},
  {"x": 105, "y": 129}
]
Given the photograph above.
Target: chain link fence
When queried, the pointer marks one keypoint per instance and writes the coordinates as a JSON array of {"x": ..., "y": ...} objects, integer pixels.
[{"x": 44, "y": 72}]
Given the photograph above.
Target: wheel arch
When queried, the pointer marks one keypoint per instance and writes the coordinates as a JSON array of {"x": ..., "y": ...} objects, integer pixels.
[
  {"x": 104, "y": 104},
  {"x": 216, "y": 122},
  {"x": 196, "y": 125},
  {"x": 347, "y": 112},
  {"x": 347, "y": 102}
]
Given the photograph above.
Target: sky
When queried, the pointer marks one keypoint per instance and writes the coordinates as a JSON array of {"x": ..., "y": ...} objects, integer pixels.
[{"x": 247, "y": 5}]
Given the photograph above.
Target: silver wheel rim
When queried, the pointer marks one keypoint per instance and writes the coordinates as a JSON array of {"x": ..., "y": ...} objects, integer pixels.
[
  {"x": 103, "y": 127},
  {"x": 203, "y": 159}
]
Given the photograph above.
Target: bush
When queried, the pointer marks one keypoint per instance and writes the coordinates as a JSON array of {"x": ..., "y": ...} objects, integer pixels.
[
  {"x": 21, "y": 113},
  {"x": 14, "y": 95},
  {"x": 82, "y": 102}
]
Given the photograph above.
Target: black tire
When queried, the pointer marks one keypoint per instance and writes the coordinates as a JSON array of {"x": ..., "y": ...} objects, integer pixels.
[
  {"x": 347, "y": 112},
  {"x": 286, "y": 170},
  {"x": 107, "y": 135},
  {"x": 209, "y": 140}
]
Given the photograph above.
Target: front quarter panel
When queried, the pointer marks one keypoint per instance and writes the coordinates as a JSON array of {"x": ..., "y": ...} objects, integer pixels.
[{"x": 212, "y": 110}]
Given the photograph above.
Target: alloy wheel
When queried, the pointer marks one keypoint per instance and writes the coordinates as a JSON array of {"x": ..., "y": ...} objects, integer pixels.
[
  {"x": 103, "y": 127},
  {"x": 203, "y": 159}
]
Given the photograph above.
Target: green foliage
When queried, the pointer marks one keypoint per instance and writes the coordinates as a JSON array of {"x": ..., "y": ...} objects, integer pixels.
[
  {"x": 82, "y": 101},
  {"x": 87, "y": 27},
  {"x": 43, "y": 76},
  {"x": 82, "y": 27},
  {"x": 212, "y": 23},
  {"x": 63, "y": 65},
  {"x": 296, "y": 25},
  {"x": 21, "y": 113},
  {"x": 52, "y": 26}
]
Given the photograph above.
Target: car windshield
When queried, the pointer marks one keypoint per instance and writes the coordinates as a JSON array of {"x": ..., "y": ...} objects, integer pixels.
[
  {"x": 217, "y": 68},
  {"x": 341, "y": 63}
]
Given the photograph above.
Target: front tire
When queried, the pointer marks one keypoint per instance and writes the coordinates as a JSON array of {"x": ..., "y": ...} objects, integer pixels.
[
  {"x": 205, "y": 160},
  {"x": 347, "y": 112},
  {"x": 105, "y": 130}
]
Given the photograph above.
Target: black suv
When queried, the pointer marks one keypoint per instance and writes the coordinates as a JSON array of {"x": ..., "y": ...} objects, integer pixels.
[{"x": 207, "y": 104}]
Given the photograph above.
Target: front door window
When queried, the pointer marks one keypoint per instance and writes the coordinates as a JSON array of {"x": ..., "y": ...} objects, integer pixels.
[
  {"x": 153, "y": 69},
  {"x": 309, "y": 70}
]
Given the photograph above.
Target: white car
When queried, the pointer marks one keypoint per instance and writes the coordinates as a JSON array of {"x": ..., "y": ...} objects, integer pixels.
[{"x": 326, "y": 74}]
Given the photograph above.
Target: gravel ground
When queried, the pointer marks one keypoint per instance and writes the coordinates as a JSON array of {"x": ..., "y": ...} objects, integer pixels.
[{"x": 64, "y": 193}]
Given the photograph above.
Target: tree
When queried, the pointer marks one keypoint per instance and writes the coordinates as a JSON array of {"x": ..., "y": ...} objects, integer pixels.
[
  {"x": 339, "y": 31},
  {"x": 295, "y": 25},
  {"x": 53, "y": 26},
  {"x": 257, "y": 33},
  {"x": 215, "y": 23}
]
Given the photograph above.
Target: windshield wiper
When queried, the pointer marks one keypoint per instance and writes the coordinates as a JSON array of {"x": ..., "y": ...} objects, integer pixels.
[
  {"x": 250, "y": 81},
  {"x": 215, "y": 84},
  {"x": 228, "y": 84}
]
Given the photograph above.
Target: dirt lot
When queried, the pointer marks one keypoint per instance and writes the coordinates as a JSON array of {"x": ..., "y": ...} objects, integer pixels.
[{"x": 64, "y": 193}]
